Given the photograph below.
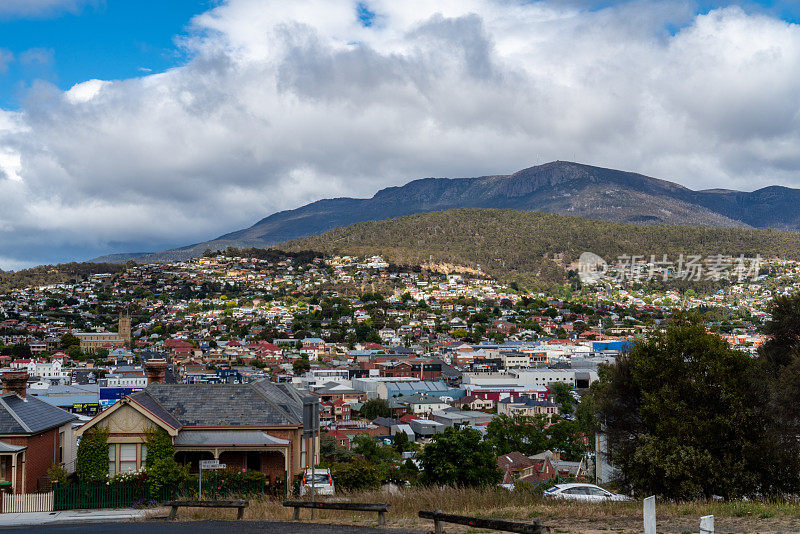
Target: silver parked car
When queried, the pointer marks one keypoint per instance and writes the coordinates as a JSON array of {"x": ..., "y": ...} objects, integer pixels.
[{"x": 583, "y": 492}]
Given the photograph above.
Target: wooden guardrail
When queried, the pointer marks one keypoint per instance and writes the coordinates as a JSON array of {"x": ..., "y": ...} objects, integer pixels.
[
  {"x": 381, "y": 508},
  {"x": 240, "y": 504},
  {"x": 478, "y": 522}
]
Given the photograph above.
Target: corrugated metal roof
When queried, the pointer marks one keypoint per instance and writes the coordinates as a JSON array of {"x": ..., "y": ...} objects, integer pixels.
[
  {"x": 65, "y": 400},
  {"x": 5, "y": 447},
  {"x": 240, "y": 438}
]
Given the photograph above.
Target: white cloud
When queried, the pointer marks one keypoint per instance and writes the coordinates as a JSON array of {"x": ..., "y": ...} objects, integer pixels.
[
  {"x": 39, "y": 8},
  {"x": 81, "y": 93},
  {"x": 284, "y": 103}
]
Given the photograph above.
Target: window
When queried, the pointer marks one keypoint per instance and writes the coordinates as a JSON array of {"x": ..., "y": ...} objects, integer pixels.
[
  {"x": 61, "y": 446},
  {"x": 112, "y": 463},
  {"x": 127, "y": 457}
]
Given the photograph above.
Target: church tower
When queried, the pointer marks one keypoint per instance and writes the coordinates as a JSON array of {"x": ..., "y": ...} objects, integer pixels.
[{"x": 124, "y": 329}]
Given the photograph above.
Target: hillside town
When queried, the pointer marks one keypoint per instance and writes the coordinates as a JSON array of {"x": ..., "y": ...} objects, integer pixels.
[{"x": 429, "y": 348}]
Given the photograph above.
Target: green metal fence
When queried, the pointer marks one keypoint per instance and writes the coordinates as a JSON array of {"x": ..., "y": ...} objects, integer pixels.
[
  {"x": 126, "y": 494},
  {"x": 118, "y": 495}
]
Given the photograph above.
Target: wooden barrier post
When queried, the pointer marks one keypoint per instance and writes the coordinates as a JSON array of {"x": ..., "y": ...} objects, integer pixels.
[
  {"x": 649, "y": 511},
  {"x": 504, "y": 525},
  {"x": 437, "y": 525},
  {"x": 707, "y": 524}
]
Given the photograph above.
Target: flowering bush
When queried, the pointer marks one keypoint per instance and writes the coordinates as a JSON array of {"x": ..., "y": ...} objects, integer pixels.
[
  {"x": 140, "y": 475},
  {"x": 228, "y": 482}
]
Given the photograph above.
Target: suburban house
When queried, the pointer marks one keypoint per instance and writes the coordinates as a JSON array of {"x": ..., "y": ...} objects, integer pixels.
[
  {"x": 474, "y": 403},
  {"x": 34, "y": 436},
  {"x": 256, "y": 426},
  {"x": 526, "y": 406},
  {"x": 516, "y": 466},
  {"x": 421, "y": 404},
  {"x": 564, "y": 468}
]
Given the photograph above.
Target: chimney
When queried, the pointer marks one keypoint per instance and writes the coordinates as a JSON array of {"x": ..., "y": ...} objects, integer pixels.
[
  {"x": 155, "y": 369},
  {"x": 14, "y": 382}
]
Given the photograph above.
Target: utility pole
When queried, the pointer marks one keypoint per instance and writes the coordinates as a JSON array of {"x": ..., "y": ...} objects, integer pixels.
[{"x": 311, "y": 430}]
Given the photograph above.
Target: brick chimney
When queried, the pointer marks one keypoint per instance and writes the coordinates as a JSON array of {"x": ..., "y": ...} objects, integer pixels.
[
  {"x": 14, "y": 382},
  {"x": 155, "y": 369}
]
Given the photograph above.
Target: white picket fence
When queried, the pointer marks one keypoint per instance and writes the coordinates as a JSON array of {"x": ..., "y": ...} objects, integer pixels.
[{"x": 28, "y": 502}]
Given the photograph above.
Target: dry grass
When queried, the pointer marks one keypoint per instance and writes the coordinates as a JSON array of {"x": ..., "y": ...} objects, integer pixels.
[{"x": 561, "y": 516}]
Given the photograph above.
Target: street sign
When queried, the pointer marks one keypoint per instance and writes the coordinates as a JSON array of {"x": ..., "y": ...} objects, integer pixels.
[
  {"x": 310, "y": 416},
  {"x": 206, "y": 464}
]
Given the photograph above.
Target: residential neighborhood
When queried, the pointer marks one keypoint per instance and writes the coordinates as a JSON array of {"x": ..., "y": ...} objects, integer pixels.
[{"x": 219, "y": 353}]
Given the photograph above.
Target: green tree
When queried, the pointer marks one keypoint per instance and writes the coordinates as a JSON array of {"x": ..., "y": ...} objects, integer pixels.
[
  {"x": 374, "y": 408},
  {"x": 331, "y": 452},
  {"x": 357, "y": 475},
  {"x": 402, "y": 443},
  {"x": 372, "y": 450},
  {"x": 458, "y": 457},
  {"x": 685, "y": 417},
  {"x": 566, "y": 438},
  {"x": 301, "y": 365},
  {"x": 563, "y": 397},
  {"x": 509, "y": 433},
  {"x": 92, "y": 457},
  {"x": 68, "y": 340},
  {"x": 162, "y": 469}
]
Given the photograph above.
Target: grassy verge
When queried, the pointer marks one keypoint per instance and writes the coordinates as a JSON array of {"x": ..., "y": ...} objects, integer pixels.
[{"x": 561, "y": 516}]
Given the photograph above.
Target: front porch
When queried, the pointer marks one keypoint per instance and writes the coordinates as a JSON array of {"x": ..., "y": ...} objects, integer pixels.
[
  {"x": 249, "y": 450},
  {"x": 12, "y": 468}
]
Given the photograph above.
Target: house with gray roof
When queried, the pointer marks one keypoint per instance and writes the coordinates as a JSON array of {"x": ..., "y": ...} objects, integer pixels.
[
  {"x": 255, "y": 426},
  {"x": 34, "y": 436}
]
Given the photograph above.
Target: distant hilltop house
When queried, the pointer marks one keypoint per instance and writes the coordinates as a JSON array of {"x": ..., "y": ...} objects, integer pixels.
[{"x": 256, "y": 426}]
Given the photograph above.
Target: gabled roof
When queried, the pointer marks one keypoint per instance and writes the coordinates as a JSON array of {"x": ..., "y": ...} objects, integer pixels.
[
  {"x": 29, "y": 415},
  {"x": 513, "y": 461},
  {"x": 254, "y": 404}
]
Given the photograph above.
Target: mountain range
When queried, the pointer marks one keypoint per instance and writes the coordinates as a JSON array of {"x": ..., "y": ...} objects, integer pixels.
[{"x": 558, "y": 187}]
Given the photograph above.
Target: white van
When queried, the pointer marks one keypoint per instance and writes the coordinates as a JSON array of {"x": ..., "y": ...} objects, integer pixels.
[{"x": 323, "y": 482}]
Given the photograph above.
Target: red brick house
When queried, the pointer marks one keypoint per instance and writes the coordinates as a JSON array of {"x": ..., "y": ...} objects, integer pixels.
[
  {"x": 341, "y": 410},
  {"x": 516, "y": 466},
  {"x": 342, "y": 440},
  {"x": 34, "y": 436}
]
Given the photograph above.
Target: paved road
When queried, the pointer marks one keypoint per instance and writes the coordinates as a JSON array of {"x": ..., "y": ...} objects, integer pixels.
[{"x": 199, "y": 527}]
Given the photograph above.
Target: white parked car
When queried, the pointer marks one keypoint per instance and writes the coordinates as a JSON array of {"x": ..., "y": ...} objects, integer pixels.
[
  {"x": 323, "y": 482},
  {"x": 583, "y": 492}
]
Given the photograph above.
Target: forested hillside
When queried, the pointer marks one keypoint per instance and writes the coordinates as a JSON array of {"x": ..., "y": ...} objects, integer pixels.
[
  {"x": 54, "y": 274},
  {"x": 509, "y": 241}
]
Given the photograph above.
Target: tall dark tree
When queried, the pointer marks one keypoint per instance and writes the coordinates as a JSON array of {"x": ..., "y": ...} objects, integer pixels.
[
  {"x": 509, "y": 433},
  {"x": 375, "y": 408},
  {"x": 458, "y": 457},
  {"x": 687, "y": 416}
]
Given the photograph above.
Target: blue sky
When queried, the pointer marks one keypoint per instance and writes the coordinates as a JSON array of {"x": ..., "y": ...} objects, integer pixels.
[{"x": 115, "y": 39}]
